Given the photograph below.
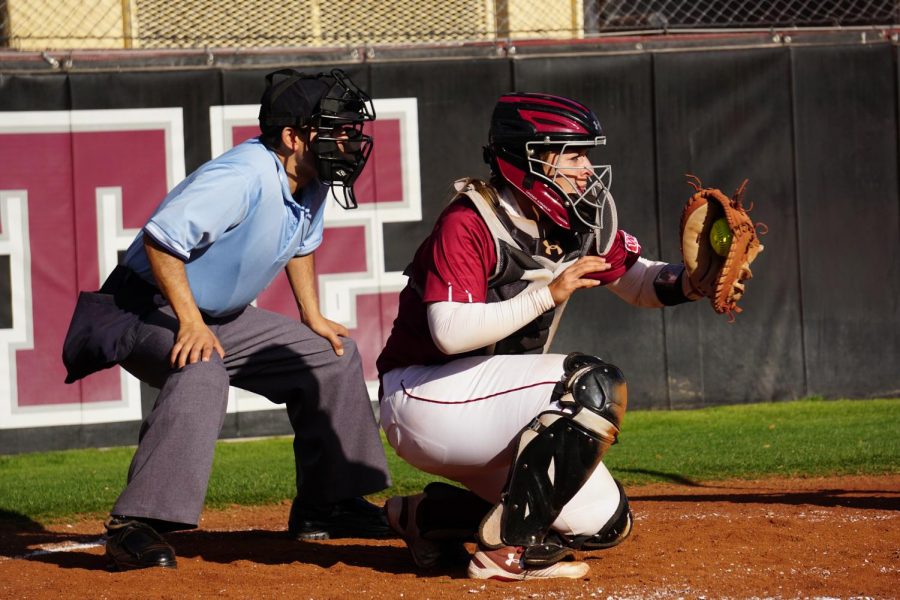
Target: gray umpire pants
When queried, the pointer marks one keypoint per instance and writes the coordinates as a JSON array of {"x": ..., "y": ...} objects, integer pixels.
[{"x": 337, "y": 447}]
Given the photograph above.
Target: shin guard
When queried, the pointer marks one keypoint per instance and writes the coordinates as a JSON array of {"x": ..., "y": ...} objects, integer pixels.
[{"x": 555, "y": 455}]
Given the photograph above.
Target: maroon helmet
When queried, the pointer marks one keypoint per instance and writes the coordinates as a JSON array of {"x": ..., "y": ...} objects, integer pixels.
[{"x": 524, "y": 127}]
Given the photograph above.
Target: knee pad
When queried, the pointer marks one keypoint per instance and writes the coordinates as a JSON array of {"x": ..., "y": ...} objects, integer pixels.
[{"x": 592, "y": 383}]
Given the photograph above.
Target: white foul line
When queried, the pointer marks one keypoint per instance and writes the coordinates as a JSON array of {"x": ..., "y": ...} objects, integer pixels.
[{"x": 61, "y": 547}]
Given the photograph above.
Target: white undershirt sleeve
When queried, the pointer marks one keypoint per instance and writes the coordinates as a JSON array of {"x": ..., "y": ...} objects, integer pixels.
[
  {"x": 636, "y": 285},
  {"x": 458, "y": 327}
]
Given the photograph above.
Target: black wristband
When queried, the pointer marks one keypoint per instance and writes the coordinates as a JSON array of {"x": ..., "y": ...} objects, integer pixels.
[{"x": 668, "y": 285}]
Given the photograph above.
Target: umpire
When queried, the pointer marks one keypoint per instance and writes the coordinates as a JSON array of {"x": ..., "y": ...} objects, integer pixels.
[{"x": 177, "y": 315}]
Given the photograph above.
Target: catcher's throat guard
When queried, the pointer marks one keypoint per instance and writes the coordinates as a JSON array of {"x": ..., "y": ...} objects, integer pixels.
[
  {"x": 555, "y": 455},
  {"x": 596, "y": 209}
]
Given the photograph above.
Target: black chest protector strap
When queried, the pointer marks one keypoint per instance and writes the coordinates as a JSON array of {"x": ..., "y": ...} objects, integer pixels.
[{"x": 555, "y": 455}]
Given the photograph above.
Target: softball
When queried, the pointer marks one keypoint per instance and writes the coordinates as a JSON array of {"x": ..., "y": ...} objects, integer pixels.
[{"x": 720, "y": 237}]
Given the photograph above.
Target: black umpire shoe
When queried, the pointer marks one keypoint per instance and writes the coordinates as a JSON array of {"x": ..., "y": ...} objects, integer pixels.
[
  {"x": 132, "y": 544},
  {"x": 355, "y": 517}
]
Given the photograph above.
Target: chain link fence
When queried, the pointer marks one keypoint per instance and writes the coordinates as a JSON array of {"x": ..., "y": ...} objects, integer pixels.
[{"x": 36, "y": 25}]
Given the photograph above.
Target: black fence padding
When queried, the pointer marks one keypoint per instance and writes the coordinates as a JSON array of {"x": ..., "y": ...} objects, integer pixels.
[
  {"x": 455, "y": 100},
  {"x": 724, "y": 117},
  {"x": 34, "y": 92},
  {"x": 814, "y": 129},
  {"x": 847, "y": 197}
]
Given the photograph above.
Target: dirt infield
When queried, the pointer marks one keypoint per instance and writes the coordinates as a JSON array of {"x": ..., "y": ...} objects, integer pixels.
[{"x": 791, "y": 538}]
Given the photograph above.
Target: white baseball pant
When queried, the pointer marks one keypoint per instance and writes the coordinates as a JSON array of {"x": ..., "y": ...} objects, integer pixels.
[{"x": 461, "y": 421}]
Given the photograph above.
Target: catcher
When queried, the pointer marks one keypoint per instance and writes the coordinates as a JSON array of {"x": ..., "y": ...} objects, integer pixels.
[{"x": 468, "y": 392}]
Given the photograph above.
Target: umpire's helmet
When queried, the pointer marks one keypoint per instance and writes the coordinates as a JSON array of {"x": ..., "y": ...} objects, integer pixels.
[
  {"x": 333, "y": 106},
  {"x": 524, "y": 127}
]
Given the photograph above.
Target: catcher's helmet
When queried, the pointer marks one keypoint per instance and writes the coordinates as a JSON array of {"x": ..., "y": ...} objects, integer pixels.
[
  {"x": 333, "y": 106},
  {"x": 524, "y": 128}
]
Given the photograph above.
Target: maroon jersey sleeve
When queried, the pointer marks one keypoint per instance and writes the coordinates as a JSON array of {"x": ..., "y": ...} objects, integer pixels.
[
  {"x": 459, "y": 258},
  {"x": 624, "y": 253},
  {"x": 454, "y": 262}
]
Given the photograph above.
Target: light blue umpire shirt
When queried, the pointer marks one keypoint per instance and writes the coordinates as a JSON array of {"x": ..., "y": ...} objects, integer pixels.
[{"x": 235, "y": 225}]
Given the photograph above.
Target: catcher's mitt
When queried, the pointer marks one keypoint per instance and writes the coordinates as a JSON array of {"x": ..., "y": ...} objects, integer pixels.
[{"x": 719, "y": 277}]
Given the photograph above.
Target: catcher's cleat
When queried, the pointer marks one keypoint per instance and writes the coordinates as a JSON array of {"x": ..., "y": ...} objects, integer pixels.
[
  {"x": 507, "y": 564},
  {"x": 351, "y": 518},
  {"x": 401, "y": 513},
  {"x": 132, "y": 544}
]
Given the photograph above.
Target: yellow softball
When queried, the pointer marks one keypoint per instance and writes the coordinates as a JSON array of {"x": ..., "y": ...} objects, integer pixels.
[{"x": 720, "y": 236}]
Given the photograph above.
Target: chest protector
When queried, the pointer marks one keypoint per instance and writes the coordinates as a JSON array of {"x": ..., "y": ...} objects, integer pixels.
[{"x": 521, "y": 266}]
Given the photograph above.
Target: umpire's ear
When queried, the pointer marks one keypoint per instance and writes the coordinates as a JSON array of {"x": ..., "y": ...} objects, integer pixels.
[
  {"x": 293, "y": 138},
  {"x": 288, "y": 138}
]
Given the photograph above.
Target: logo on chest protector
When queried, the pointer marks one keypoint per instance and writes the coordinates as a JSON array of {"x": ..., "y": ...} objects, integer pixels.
[{"x": 551, "y": 249}]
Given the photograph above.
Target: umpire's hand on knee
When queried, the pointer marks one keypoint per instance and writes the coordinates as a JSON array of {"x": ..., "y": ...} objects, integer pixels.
[
  {"x": 194, "y": 342},
  {"x": 330, "y": 330}
]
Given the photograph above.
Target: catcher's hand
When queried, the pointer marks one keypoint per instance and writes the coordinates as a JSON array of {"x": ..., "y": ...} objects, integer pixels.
[{"x": 718, "y": 271}]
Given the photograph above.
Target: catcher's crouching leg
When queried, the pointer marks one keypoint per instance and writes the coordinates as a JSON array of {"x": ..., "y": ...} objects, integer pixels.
[
  {"x": 436, "y": 523},
  {"x": 556, "y": 454},
  {"x": 613, "y": 533}
]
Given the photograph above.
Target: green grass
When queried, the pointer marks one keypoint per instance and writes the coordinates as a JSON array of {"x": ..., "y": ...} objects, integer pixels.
[{"x": 802, "y": 438}]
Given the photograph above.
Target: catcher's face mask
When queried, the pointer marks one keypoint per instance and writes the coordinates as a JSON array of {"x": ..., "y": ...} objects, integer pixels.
[
  {"x": 340, "y": 145},
  {"x": 583, "y": 185}
]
